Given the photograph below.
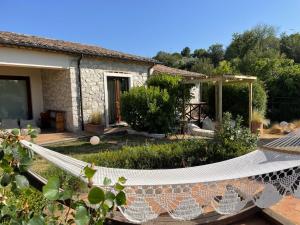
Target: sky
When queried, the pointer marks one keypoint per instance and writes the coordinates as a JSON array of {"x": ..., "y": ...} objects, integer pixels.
[{"x": 144, "y": 27}]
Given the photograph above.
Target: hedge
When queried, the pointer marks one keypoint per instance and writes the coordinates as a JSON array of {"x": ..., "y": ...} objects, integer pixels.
[
  {"x": 284, "y": 92},
  {"x": 147, "y": 109},
  {"x": 154, "y": 156}
]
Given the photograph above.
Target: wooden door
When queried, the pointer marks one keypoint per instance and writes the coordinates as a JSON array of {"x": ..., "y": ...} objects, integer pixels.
[{"x": 116, "y": 86}]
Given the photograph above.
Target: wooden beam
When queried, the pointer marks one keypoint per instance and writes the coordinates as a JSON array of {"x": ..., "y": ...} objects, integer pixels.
[
  {"x": 216, "y": 102},
  {"x": 250, "y": 103},
  {"x": 220, "y": 102}
]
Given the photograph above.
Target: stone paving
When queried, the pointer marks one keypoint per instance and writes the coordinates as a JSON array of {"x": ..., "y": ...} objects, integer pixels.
[{"x": 289, "y": 208}]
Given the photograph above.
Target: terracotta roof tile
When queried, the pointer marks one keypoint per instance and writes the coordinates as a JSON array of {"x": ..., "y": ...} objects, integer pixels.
[
  {"x": 173, "y": 71},
  {"x": 21, "y": 40}
]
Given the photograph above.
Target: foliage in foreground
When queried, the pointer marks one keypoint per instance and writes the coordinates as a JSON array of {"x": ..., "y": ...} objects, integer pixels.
[{"x": 18, "y": 202}]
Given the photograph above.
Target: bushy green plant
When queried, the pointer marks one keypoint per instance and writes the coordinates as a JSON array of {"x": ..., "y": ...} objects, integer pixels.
[
  {"x": 67, "y": 180},
  {"x": 154, "y": 156},
  {"x": 235, "y": 99},
  {"x": 284, "y": 94},
  {"x": 147, "y": 109},
  {"x": 157, "y": 107},
  {"x": 231, "y": 140},
  {"x": 177, "y": 90}
]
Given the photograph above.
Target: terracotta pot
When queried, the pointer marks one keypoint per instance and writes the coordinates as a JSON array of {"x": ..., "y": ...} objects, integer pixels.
[
  {"x": 94, "y": 128},
  {"x": 257, "y": 127}
]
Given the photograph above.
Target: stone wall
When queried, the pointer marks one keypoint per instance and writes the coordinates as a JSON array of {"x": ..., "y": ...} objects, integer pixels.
[
  {"x": 93, "y": 79},
  {"x": 60, "y": 92},
  {"x": 195, "y": 91}
]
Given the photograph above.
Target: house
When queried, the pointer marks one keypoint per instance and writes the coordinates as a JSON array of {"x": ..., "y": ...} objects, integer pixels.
[{"x": 39, "y": 74}]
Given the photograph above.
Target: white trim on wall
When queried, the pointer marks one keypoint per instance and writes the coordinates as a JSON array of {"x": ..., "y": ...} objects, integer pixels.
[{"x": 113, "y": 74}]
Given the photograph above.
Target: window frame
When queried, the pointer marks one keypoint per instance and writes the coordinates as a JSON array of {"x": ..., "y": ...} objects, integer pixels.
[{"x": 28, "y": 88}]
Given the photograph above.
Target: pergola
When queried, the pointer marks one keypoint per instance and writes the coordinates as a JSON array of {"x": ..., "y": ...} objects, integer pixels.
[{"x": 219, "y": 80}]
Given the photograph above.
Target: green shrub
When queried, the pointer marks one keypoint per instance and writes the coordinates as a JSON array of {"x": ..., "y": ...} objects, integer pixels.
[
  {"x": 231, "y": 141},
  {"x": 154, "y": 156},
  {"x": 67, "y": 180},
  {"x": 147, "y": 109},
  {"x": 155, "y": 108},
  {"x": 284, "y": 95},
  {"x": 235, "y": 99},
  {"x": 177, "y": 90},
  {"x": 31, "y": 197}
]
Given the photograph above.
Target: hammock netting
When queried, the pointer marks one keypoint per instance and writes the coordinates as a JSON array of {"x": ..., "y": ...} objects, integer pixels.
[{"x": 262, "y": 177}]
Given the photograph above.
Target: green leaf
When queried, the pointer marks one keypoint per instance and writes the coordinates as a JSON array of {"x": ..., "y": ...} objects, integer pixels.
[
  {"x": 89, "y": 172},
  {"x": 119, "y": 187},
  {"x": 15, "y": 131},
  {"x": 109, "y": 203},
  {"x": 36, "y": 220},
  {"x": 121, "y": 198},
  {"x": 51, "y": 189},
  {"x": 21, "y": 181},
  {"x": 106, "y": 181},
  {"x": 66, "y": 194},
  {"x": 96, "y": 195},
  {"x": 81, "y": 216},
  {"x": 122, "y": 180},
  {"x": 6, "y": 178},
  {"x": 110, "y": 195}
]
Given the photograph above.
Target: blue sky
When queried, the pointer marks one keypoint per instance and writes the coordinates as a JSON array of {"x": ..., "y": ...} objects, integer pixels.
[{"x": 144, "y": 27}]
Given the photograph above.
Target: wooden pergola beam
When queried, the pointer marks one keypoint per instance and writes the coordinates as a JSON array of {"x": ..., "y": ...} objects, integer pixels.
[{"x": 250, "y": 103}]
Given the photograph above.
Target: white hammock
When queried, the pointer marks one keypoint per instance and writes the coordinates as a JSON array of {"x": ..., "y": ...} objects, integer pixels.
[{"x": 261, "y": 176}]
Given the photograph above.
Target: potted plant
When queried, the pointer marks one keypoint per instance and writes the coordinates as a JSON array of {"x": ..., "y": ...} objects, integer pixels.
[
  {"x": 257, "y": 123},
  {"x": 95, "y": 124}
]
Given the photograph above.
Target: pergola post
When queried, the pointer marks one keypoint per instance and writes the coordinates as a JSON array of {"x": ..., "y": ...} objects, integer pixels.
[
  {"x": 220, "y": 102},
  {"x": 250, "y": 103}
]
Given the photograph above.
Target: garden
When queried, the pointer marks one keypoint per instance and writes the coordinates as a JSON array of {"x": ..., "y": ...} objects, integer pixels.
[{"x": 20, "y": 202}]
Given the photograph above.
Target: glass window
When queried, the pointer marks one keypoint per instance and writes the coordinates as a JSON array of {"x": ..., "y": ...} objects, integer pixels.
[{"x": 14, "y": 99}]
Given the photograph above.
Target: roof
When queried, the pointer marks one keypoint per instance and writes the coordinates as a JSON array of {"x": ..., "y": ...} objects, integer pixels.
[
  {"x": 10, "y": 39},
  {"x": 157, "y": 69}
]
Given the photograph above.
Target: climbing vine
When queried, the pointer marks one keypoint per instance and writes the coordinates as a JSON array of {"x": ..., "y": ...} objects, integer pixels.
[{"x": 15, "y": 160}]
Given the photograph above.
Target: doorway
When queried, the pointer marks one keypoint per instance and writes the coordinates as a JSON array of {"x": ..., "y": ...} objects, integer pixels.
[{"x": 115, "y": 87}]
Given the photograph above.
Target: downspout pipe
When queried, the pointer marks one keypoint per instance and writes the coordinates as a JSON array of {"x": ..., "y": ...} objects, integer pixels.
[{"x": 80, "y": 90}]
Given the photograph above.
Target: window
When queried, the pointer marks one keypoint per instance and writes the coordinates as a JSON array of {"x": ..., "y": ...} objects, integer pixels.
[{"x": 15, "y": 98}]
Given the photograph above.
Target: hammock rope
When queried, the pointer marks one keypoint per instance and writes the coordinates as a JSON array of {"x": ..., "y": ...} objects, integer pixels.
[{"x": 262, "y": 177}]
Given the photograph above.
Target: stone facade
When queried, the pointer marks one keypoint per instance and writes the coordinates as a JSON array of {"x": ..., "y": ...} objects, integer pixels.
[
  {"x": 61, "y": 87},
  {"x": 94, "y": 73},
  {"x": 195, "y": 91},
  {"x": 60, "y": 92}
]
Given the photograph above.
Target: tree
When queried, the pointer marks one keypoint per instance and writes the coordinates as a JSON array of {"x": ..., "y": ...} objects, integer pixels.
[
  {"x": 224, "y": 67},
  {"x": 216, "y": 53},
  {"x": 204, "y": 66},
  {"x": 168, "y": 59},
  {"x": 290, "y": 46},
  {"x": 186, "y": 52},
  {"x": 261, "y": 39},
  {"x": 200, "y": 53}
]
